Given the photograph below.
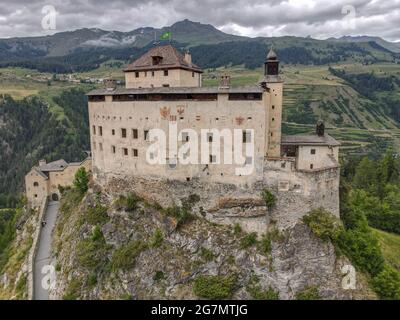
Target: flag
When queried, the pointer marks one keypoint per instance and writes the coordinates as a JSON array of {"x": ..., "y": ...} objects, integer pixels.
[{"x": 166, "y": 35}]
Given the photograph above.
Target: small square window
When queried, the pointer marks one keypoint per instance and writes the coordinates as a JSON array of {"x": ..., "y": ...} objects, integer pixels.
[
  {"x": 311, "y": 166},
  {"x": 135, "y": 133},
  {"x": 313, "y": 151},
  {"x": 123, "y": 133},
  {"x": 152, "y": 73},
  {"x": 165, "y": 73},
  {"x": 213, "y": 158},
  {"x": 125, "y": 151},
  {"x": 136, "y": 74}
]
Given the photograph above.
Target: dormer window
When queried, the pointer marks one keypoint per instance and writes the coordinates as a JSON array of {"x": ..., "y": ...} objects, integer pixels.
[{"x": 156, "y": 60}]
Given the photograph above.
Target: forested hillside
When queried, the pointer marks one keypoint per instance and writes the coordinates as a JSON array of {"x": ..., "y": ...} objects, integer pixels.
[{"x": 29, "y": 132}]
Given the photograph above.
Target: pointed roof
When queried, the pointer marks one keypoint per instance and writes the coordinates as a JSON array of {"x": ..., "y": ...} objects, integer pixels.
[
  {"x": 271, "y": 55},
  {"x": 171, "y": 58}
]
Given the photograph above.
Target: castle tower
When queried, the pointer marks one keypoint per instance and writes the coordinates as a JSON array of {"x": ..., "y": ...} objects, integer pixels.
[{"x": 274, "y": 87}]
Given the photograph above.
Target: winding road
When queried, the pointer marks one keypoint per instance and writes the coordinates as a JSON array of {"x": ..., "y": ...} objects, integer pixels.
[{"x": 42, "y": 258}]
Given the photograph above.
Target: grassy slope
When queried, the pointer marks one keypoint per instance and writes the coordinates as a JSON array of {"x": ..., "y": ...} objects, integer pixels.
[{"x": 390, "y": 244}]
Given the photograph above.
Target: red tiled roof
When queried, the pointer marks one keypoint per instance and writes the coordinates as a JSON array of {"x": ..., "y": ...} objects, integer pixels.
[{"x": 171, "y": 59}]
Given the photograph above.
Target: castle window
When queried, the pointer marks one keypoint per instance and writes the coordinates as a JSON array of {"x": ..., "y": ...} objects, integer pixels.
[
  {"x": 36, "y": 184},
  {"x": 136, "y": 74},
  {"x": 165, "y": 73},
  {"x": 198, "y": 118},
  {"x": 165, "y": 85},
  {"x": 273, "y": 119},
  {"x": 273, "y": 107},
  {"x": 246, "y": 136},
  {"x": 124, "y": 151},
  {"x": 213, "y": 158},
  {"x": 135, "y": 153},
  {"x": 100, "y": 130},
  {"x": 209, "y": 137},
  {"x": 272, "y": 134},
  {"x": 156, "y": 60},
  {"x": 152, "y": 73},
  {"x": 94, "y": 130},
  {"x": 135, "y": 133},
  {"x": 35, "y": 195},
  {"x": 311, "y": 166},
  {"x": 313, "y": 151},
  {"x": 192, "y": 74},
  {"x": 113, "y": 132},
  {"x": 146, "y": 135},
  {"x": 113, "y": 149},
  {"x": 185, "y": 136},
  {"x": 123, "y": 133},
  {"x": 283, "y": 165},
  {"x": 187, "y": 179}
]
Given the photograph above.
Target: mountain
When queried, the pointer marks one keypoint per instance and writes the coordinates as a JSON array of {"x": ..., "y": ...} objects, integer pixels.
[{"x": 391, "y": 46}]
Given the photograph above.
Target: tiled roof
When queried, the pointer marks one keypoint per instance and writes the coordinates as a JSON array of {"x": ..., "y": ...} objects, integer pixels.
[
  {"x": 171, "y": 59},
  {"x": 311, "y": 140},
  {"x": 58, "y": 165},
  {"x": 183, "y": 90}
]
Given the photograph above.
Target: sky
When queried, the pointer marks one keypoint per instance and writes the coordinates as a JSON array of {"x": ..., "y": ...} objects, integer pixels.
[{"x": 319, "y": 19}]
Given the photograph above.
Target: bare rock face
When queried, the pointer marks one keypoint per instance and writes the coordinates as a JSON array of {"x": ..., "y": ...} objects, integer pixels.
[{"x": 168, "y": 269}]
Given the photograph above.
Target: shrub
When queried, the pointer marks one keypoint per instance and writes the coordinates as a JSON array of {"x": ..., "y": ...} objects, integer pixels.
[
  {"x": 269, "y": 198},
  {"x": 92, "y": 280},
  {"x": 91, "y": 252},
  {"x": 249, "y": 240},
  {"x": 157, "y": 239},
  {"x": 207, "y": 254},
  {"x": 96, "y": 215},
  {"x": 158, "y": 276},
  {"x": 387, "y": 284},
  {"x": 81, "y": 182},
  {"x": 363, "y": 249},
  {"x": 215, "y": 287},
  {"x": 237, "y": 229},
  {"x": 265, "y": 244},
  {"x": 257, "y": 293},
  {"x": 310, "y": 293},
  {"x": 323, "y": 224},
  {"x": 181, "y": 214},
  {"x": 72, "y": 292},
  {"x": 129, "y": 202},
  {"x": 125, "y": 257}
]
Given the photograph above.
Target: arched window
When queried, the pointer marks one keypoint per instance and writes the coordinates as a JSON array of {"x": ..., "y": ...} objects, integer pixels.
[{"x": 36, "y": 184}]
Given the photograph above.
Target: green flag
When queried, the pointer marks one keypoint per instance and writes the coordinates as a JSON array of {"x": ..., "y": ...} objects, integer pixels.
[{"x": 166, "y": 35}]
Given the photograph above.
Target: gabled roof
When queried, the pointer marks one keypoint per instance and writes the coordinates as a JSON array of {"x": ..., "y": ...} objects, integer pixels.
[
  {"x": 171, "y": 59},
  {"x": 58, "y": 165},
  {"x": 310, "y": 140}
]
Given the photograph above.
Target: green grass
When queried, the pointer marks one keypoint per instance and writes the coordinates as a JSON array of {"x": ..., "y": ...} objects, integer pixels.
[{"x": 390, "y": 245}]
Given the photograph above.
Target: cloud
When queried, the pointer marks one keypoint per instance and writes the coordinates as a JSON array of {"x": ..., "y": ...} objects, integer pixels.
[{"x": 317, "y": 18}]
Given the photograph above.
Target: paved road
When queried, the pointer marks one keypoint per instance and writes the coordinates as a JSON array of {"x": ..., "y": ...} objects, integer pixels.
[{"x": 43, "y": 254}]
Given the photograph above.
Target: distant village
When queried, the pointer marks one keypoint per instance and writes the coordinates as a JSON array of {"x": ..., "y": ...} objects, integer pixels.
[{"x": 71, "y": 78}]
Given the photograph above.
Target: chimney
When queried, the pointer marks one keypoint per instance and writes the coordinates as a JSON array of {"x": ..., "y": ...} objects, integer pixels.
[
  {"x": 110, "y": 84},
  {"x": 225, "y": 82},
  {"x": 320, "y": 129},
  {"x": 42, "y": 162},
  {"x": 188, "y": 58}
]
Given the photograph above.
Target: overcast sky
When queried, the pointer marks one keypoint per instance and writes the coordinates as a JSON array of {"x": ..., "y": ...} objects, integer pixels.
[{"x": 317, "y": 18}]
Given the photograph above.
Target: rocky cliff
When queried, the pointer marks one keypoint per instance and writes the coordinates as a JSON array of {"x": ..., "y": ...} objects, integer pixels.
[{"x": 110, "y": 246}]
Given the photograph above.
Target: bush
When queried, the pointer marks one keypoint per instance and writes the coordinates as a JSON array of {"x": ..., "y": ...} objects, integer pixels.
[
  {"x": 215, "y": 287},
  {"x": 363, "y": 249},
  {"x": 181, "y": 214},
  {"x": 73, "y": 290},
  {"x": 269, "y": 198},
  {"x": 387, "y": 284},
  {"x": 157, "y": 239},
  {"x": 237, "y": 229},
  {"x": 310, "y": 293},
  {"x": 248, "y": 240},
  {"x": 257, "y": 293},
  {"x": 81, "y": 182},
  {"x": 129, "y": 202},
  {"x": 159, "y": 275},
  {"x": 207, "y": 254},
  {"x": 91, "y": 252},
  {"x": 323, "y": 224},
  {"x": 125, "y": 257},
  {"x": 96, "y": 215}
]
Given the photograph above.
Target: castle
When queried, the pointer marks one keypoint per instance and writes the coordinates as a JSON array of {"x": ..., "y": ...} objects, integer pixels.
[{"x": 164, "y": 91}]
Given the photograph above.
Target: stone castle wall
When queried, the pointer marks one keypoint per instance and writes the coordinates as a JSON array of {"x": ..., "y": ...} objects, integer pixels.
[{"x": 297, "y": 193}]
